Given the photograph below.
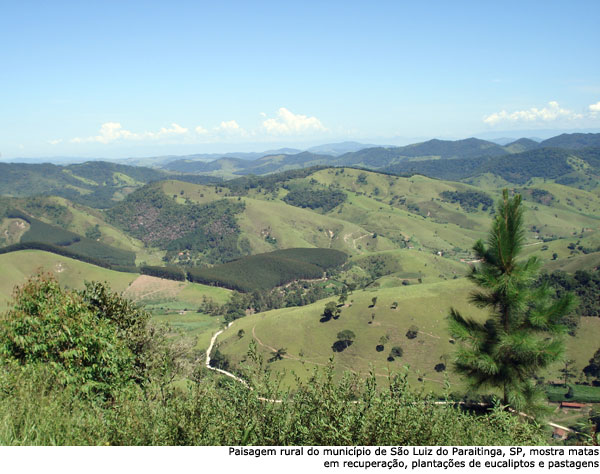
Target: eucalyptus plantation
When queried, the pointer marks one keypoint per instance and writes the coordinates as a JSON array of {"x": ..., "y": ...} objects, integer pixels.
[{"x": 523, "y": 333}]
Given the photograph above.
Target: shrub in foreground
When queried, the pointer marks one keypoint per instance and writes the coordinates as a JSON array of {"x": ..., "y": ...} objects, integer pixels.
[{"x": 86, "y": 368}]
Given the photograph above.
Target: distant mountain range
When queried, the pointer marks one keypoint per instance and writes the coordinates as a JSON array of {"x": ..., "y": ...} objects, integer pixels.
[
  {"x": 380, "y": 157},
  {"x": 571, "y": 159}
]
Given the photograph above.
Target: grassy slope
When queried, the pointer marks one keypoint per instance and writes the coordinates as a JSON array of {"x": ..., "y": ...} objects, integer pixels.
[
  {"x": 16, "y": 267},
  {"x": 423, "y": 221},
  {"x": 413, "y": 265},
  {"x": 299, "y": 330}
]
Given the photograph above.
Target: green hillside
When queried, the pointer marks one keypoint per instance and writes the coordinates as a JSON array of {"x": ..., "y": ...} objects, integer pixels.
[
  {"x": 308, "y": 341},
  {"x": 96, "y": 183},
  {"x": 381, "y": 212},
  {"x": 408, "y": 240},
  {"x": 16, "y": 267}
]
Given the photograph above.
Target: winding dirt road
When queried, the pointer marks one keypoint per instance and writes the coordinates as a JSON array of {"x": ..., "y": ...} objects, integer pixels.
[{"x": 213, "y": 340}]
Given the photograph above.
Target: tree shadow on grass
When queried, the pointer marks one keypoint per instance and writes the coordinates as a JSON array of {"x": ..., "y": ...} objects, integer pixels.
[{"x": 339, "y": 346}]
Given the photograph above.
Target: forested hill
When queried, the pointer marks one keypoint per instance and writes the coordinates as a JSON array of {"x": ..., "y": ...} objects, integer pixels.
[
  {"x": 573, "y": 141},
  {"x": 93, "y": 183},
  {"x": 260, "y": 166},
  {"x": 565, "y": 166},
  {"x": 97, "y": 184},
  {"x": 447, "y": 149},
  {"x": 469, "y": 157},
  {"x": 522, "y": 144},
  {"x": 157, "y": 220}
]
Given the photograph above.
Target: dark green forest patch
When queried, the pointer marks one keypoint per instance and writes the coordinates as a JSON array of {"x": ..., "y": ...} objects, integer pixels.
[
  {"x": 314, "y": 198},
  {"x": 469, "y": 200},
  {"x": 77, "y": 246},
  {"x": 268, "y": 270}
]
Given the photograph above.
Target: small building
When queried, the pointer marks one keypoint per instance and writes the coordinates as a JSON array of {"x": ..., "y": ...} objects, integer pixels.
[
  {"x": 573, "y": 405},
  {"x": 559, "y": 433}
]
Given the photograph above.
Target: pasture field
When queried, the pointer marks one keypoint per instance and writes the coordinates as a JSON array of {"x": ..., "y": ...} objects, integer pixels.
[
  {"x": 192, "y": 324},
  {"x": 308, "y": 341},
  {"x": 154, "y": 292},
  {"x": 16, "y": 267},
  {"x": 410, "y": 264}
]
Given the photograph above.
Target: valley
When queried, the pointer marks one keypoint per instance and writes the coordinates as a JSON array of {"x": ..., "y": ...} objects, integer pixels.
[{"x": 263, "y": 257}]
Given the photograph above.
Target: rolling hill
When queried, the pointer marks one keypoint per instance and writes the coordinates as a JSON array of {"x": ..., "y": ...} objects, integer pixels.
[{"x": 408, "y": 240}]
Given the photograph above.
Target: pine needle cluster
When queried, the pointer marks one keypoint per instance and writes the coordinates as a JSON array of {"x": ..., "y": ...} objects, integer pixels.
[{"x": 524, "y": 333}]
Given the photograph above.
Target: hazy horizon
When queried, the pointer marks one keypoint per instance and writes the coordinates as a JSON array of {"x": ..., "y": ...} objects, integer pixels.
[{"x": 136, "y": 79}]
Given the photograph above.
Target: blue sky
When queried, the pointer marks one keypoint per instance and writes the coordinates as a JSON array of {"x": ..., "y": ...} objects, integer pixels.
[{"x": 127, "y": 78}]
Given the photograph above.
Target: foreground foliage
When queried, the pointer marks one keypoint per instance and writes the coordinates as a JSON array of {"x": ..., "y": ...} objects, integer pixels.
[
  {"x": 37, "y": 409},
  {"x": 86, "y": 368}
]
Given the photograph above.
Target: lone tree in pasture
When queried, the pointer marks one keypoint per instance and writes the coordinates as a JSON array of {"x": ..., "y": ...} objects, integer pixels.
[
  {"x": 568, "y": 371},
  {"x": 345, "y": 339},
  {"x": 592, "y": 370},
  {"x": 329, "y": 311},
  {"x": 278, "y": 354},
  {"x": 412, "y": 332},
  {"x": 523, "y": 333},
  {"x": 343, "y": 296},
  {"x": 397, "y": 351}
]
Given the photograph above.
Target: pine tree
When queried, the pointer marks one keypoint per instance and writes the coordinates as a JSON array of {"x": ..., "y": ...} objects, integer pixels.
[{"x": 523, "y": 334}]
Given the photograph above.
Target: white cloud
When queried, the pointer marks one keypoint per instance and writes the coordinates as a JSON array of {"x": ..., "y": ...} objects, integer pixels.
[
  {"x": 594, "y": 108},
  {"x": 231, "y": 128},
  {"x": 113, "y": 131},
  {"x": 551, "y": 112},
  {"x": 165, "y": 132},
  {"x": 109, "y": 132},
  {"x": 288, "y": 123},
  {"x": 55, "y": 142}
]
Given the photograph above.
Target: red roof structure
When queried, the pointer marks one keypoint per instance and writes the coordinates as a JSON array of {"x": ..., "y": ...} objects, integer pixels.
[{"x": 572, "y": 405}]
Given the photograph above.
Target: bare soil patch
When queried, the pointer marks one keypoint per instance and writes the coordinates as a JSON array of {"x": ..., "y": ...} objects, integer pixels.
[{"x": 149, "y": 287}]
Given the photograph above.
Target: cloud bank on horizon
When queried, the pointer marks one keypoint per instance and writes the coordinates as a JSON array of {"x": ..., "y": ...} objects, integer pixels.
[
  {"x": 285, "y": 124},
  {"x": 552, "y": 112}
]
